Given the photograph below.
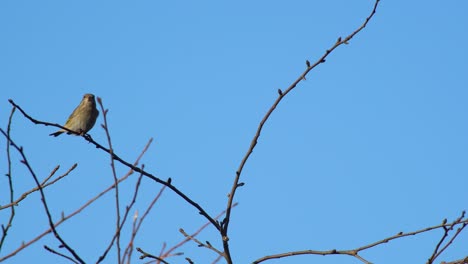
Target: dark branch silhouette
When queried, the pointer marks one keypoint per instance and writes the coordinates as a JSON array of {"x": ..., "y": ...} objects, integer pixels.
[
  {"x": 281, "y": 94},
  {"x": 80, "y": 209},
  {"x": 43, "y": 198},
  {"x": 461, "y": 221}
]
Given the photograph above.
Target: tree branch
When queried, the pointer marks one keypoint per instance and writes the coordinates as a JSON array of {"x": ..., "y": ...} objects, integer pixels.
[
  {"x": 10, "y": 185},
  {"x": 355, "y": 252},
  {"x": 43, "y": 199},
  {"x": 80, "y": 209},
  {"x": 253, "y": 143}
]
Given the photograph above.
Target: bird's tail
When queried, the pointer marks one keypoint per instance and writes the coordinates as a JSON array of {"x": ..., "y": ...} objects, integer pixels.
[{"x": 56, "y": 133}]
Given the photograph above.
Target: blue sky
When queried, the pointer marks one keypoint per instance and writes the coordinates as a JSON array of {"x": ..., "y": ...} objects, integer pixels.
[{"x": 373, "y": 143}]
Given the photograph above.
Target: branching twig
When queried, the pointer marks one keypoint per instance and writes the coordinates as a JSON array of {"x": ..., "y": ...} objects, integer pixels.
[
  {"x": 127, "y": 164},
  {"x": 200, "y": 244},
  {"x": 44, "y": 184},
  {"x": 355, "y": 252},
  {"x": 80, "y": 209},
  {"x": 105, "y": 126},
  {"x": 127, "y": 211},
  {"x": 188, "y": 238},
  {"x": 147, "y": 255},
  {"x": 217, "y": 259},
  {"x": 281, "y": 95},
  {"x": 437, "y": 252},
  {"x": 10, "y": 184},
  {"x": 43, "y": 199},
  {"x": 137, "y": 225},
  {"x": 460, "y": 261},
  {"x": 165, "y": 254},
  {"x": 60, "y": 254}
]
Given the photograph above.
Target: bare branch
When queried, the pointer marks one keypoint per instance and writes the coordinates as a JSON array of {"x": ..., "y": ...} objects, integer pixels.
[
  {"x": 44, "y": 184},
  {"x": 126, "y": 214},
  {"x": 253, "y": 143},
  {"x": 460, "y": 261},
  {"x": 80, "y": 209},
  {"x": 10, "y": 184},
  {"x": 43, "y": 199},
  {"x": 116, "y": 237},
  {"x": 165, "y": 254},
  {"x": 60, "y": 254},
  {"x": 437, "y": 252},
  {"x": 355, "y": 252},
  {"x": 137, "y": 224},
  {"x": 146, "y": 255},
  {"x": 169, "y": 251},
  {"x": 200, "y": 244}
]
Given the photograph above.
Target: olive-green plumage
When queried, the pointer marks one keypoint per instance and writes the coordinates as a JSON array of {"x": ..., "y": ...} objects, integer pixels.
[{"x": 83, "y": 117}]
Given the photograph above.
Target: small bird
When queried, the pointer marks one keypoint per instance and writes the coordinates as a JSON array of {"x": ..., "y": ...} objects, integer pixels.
[{"x": 83, "y": 117}]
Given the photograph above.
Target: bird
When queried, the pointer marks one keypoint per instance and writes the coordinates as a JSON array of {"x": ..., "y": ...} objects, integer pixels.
[{"x": 83, "y": 117}]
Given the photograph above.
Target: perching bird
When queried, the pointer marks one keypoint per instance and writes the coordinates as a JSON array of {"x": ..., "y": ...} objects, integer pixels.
[{"x": 83, "y": 117}]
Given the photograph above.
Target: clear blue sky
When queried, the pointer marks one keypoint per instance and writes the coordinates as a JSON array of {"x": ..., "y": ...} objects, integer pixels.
[{"x": 373, "y": 143}]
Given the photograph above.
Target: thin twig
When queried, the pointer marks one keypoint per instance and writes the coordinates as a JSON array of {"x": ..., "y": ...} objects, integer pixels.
[
  {"x": 80, "y": 209},
  {"x": 161, "y": 252},
  {"x": 43, "y": 198},
  {"x": 137, "y": 224},
  {"x": 460, "y": 261},
  {"x": 105, "y": 126},
  {"x": 59, "y": 254},
  {"x": 253, "y": 143},
  {"x": 169, "y": 251},
  {"x": 437, "y": 252},
  {"x": 10, "y": 184},
  {"x": 217, "y": 259},
  {"x": 125, "y": 217},
  {"x": 129, "y": 249},
  {"x": 44, "y": 184},
  {"x": 201, "y": 244},
  {"x": 165, "y": 254},
  {"x": 147, "y": 255},
  {"x": 354, "y": 252}
]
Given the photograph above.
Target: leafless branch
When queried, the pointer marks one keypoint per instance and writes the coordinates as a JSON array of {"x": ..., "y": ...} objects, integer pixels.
[
  {"x": 437, "y": 252},
  {"x": 44, "y": 184},
  {"x": 207, "y": 244},
  {"x": 43, "y": 199},
  {"x": 355, "y": 252},
  {"x": 460, "y": 261},
  {"x": 281, "y": 95},
  {"x": 10, "y": 184},
  {"x": 60, "y": 254},
  {"x": 147, "y": 255},
  {"x": 137, "y": 224},
  {"x": 188, "y": 238},
  {"x": 124, "y": 218},
  {"x": 165, "y": 254},
  {"x": 116, "y": 237},
  {"x": 80, "y": 209},
  {"x": 217, "y": 259}
]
